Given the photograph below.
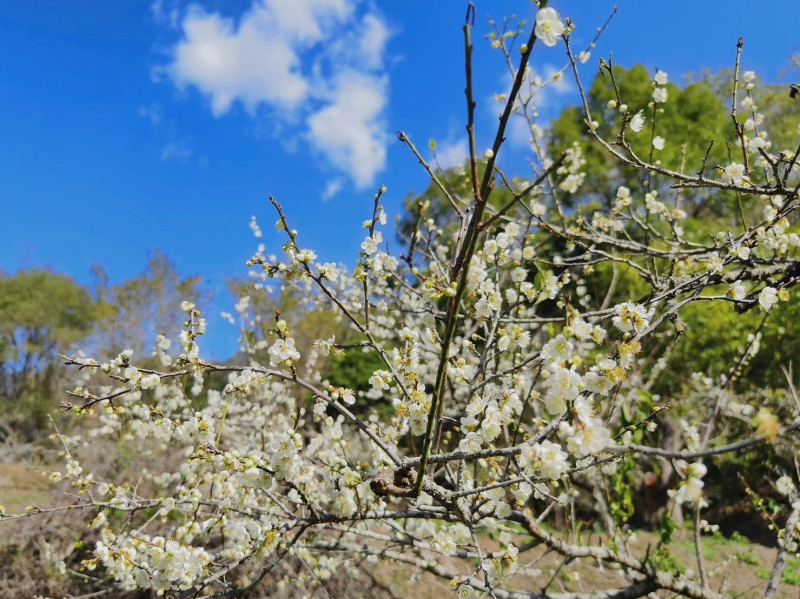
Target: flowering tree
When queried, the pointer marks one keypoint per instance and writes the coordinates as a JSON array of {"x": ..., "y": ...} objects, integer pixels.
[{"x": 517, "y": 366}]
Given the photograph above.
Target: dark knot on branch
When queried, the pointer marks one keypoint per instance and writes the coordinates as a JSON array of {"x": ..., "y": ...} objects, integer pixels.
[{"x": 395, "y": 482}]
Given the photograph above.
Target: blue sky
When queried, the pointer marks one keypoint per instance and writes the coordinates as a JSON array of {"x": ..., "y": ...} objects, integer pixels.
[{"x": 133, "y": 126}]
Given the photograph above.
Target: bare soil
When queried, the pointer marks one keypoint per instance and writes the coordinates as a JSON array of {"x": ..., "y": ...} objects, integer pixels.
[{"x": 21, "y": 486}]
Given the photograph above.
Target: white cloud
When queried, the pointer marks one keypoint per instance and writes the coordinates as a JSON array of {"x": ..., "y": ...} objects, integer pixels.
[
  {"x": 306, "y": 61},
  {"x": 348, "y": 131},
  {"x": 304, "y": 20},
  {"x": 373, "y": 41},
  {"x": 331, "y": 189},
  {"x": 228, "y": 64},
  {"x": 452, "y": 154}
]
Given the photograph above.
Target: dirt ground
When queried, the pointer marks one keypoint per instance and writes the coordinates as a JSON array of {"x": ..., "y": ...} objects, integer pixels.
[
  {"x": 21, "y": 486},
  {"x": 736, "y": 567}
]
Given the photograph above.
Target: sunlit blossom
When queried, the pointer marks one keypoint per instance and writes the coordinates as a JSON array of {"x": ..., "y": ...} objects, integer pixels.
[
  {"x": 549, "y": 26},
  {"x": 637, "y": 122},
  {"x": 733, "y": 173},
  {"x": 767, "y": 298}
]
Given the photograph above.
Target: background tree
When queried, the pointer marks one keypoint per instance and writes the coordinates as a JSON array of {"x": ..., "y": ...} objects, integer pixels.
[
  {"x": 42, "y": 314},
  {"x": 695, "y": 107},
  {"x": 143, "y": 307}
]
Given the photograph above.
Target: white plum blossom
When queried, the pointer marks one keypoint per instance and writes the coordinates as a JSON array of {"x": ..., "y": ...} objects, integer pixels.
[
  {"x": 715, "y": 263},
  {"x": 328, "y": 271},
  {"x": 472, "y": 441},
  {"x": 733, "y": 173},
  {"x": 737, "y": 290},
  {"x": 623, "y": 197},
  {"x": 661, "y": 78},
  {"x": 768, "y": 298},
  {"x": 163, "y": 342},
  {"x": 785, "y": 486},
  {"x": 464, "y": 591},
  {"x": 283, "y": 353},
  {"x": 691, "y": 489},
  {"x": 637, "y": 122},
  {"x": 150, "y": 381},
  {"x": 133, "y": 375},
  {"x": 380, "y": 380},
  {"x": 254, "y": 227},
  {"x": 660, "y": 95},
  {"x": 632, "y": 317},
  {"x": 323, "y": 346},
  {"x": 370, "y": 243},
  {"x": 589, "y": 439},
  {"x": 547, "y": 459},
  {"x": 658, "y": 142},
  {"x": 743, "y": 252},
  {"x": 559, "y": 349},
  {"x": 443, "y": 543},
  {"x": 563, "y": 385},
  {"x": 549, "y": 26}
]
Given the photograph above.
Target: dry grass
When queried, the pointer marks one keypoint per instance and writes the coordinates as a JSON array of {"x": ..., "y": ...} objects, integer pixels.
[{"x": 21, "y": 486}]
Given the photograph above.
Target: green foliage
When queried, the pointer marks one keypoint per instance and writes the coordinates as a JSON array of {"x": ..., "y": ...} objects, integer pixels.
[
  {"x": 695, "y": 108},
  {"x": 666, "y": 528},
  {"x": 747, "y": 557},
  {"x": 353, "y": 371},
  {"x": 665, "y": 561},
  {"x": 623, "y": 482},
  {"x": 791, "y": 575},
  {"x": 39, "y": 309},
  {"x": 711, "y": 341},
  {"x": 41, "y": 314}
]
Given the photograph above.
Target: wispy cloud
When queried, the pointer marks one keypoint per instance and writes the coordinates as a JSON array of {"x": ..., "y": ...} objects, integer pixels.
[
  {"x": 331, "y": 189},
  {"x": 179, "y": 150},
  {"x": 166, "y": 12},
  {"x": 452, "y": 154},
  {"x": 152, "y": 112},
  {"x": 318, "y": 63}
]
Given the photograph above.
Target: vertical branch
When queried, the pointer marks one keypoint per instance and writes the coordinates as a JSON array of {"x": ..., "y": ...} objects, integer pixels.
[
  {"x": 780, "y": 559},
  {"x": 473, "y": 159},
  {"x": 371, "y": 232},
  {"x": 738, "y": 127},
  {"x": 698, "y": 547},
  {"x": 464, "y": 255}
]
